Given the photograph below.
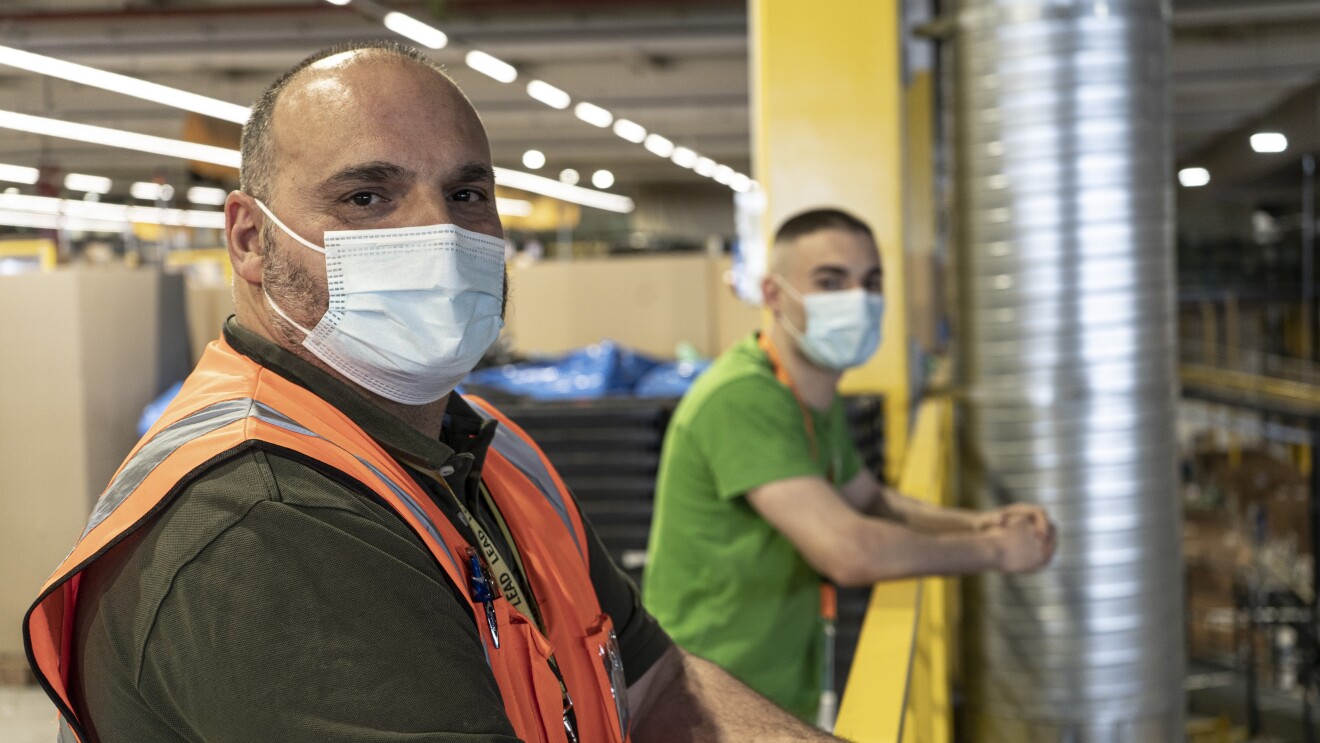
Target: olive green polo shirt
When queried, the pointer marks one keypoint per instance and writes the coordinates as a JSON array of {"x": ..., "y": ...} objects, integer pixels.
[{"x": 276, "y": 599}]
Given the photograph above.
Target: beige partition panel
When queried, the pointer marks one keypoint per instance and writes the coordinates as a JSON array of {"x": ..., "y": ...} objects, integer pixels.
[
  {"x": 648, "y": 303},
  {"x": 81, "y": 353}
]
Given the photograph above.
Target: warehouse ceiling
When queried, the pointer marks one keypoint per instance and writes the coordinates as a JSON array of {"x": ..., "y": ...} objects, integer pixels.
[{"x": 677, "y": 67}]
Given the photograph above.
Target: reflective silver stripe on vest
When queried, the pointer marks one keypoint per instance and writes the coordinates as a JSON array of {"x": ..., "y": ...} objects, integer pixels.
[
  {"x": 161, "y": 446},
  {"x": 211, "y": 418},
  {"x": 65, "y": 734},
  {"x": 523, "y": 456}
]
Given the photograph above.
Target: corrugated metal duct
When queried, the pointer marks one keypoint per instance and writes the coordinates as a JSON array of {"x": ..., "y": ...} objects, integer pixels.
[{"x": 1067, "y": 348}]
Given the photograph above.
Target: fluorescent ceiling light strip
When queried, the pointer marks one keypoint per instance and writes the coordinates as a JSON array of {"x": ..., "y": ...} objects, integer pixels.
[
  {"x": 119, "y": 138},
  {"x": 57, "y": 222},
  {"x": 630, "y": 130},
  {"x": 97, "y": 184},
  {"x": 491, "y": 66},
  {"x": 19, "y": 174},
  {"x": 111, "y": 213},
  {"x": 548, "y": 94},
  {"x": 406, "y": 25},
  {"x": 151, "y": 191},
  {"x": 1193, "y": 177},
  {"x": 207, "y": 195},
  {"x": 593, "y": 114},
  {"x": 124, "y": 84},
  {"x": 513, "y": 207},
  {"x": 658, "y": 145},
  {"x": 1269, "y": 142},
  {"x": 562, "y": 191},
  {"x": 705, "y": 166},
  {"x": 684, "y": 157}
]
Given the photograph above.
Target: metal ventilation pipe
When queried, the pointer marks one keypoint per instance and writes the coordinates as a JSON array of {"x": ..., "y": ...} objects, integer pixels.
[{"x": 1067, "y": 354}]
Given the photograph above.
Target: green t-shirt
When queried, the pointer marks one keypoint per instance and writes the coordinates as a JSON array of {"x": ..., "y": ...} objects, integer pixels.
[{"x": 723, "y": 582}]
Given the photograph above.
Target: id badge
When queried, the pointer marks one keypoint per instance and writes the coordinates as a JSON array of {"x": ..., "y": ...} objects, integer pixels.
[{"x": 613, "y": 662}]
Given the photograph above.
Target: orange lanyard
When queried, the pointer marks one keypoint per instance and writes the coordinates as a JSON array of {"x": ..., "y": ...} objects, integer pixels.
[
  {"x": 829, "y": 594},
  {"x": 808, "y": 420}
]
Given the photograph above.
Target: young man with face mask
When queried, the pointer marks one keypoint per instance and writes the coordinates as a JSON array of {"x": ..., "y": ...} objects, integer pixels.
[
  {"x": 319, "y": 540},
  {"x": 761, "y": 495}
]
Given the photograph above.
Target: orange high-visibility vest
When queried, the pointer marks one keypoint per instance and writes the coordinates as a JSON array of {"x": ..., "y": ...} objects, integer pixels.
[{"x": 229, "y": 402}]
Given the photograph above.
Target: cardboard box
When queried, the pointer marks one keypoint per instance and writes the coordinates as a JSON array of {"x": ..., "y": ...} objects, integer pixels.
[
  {"x": 84, "y": 350},
  {"x": 648, "y": 303}
]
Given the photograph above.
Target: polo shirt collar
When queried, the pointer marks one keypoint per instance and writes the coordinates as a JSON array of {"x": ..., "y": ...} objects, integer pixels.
[{"x": 463, "y": 429}]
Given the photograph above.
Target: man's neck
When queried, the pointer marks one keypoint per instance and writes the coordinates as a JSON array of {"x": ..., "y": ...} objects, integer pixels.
[{"x": 815, "y": 385}]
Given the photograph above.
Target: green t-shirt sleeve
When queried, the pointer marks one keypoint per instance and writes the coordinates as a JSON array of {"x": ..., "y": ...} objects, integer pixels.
[
  {"x": 316, "y": 624},
  {"x": 750, "y": 432}
]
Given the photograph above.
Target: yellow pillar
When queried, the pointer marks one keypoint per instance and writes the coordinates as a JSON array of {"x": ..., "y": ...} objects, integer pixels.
[{"x": 827, "y": 112}]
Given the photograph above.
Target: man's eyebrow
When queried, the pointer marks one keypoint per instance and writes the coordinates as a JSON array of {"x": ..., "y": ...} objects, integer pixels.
[
  {"x": 372, "y": 172},
  {"x": 832, "y": 270},
  {"x": 474, "y": 173}
]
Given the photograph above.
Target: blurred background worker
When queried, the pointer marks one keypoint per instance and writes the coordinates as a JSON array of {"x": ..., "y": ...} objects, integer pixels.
[{"x": 761, "y": 494}]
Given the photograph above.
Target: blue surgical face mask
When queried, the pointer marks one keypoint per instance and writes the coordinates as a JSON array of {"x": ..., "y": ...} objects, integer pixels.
[
  {"x": 843, "y": 327},
  {"x": 411, "y": 310}
]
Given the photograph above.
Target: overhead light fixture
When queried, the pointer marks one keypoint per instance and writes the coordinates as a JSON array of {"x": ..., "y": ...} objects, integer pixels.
[
  {"x": 19, "y": 174},
  {"x": 723, "y": 174},
  {"x": 740, "y": 183},
  {"x": 1193, "y": 177},
  {"x": 684, "y": 157},
  {"x": 207, "y": 196},
  {"x": 150, "y": 191},
  {"x": 339, "y": 2},
  {"x": 534, "y": 159},
  {"x": 97, "y": 184},
  {"x": 593, "y": 114},
  {"x": 119, "y": 138},
  {"x": 548, "y": 94},
  {"x": 705, "y": 166},
  {"x": 658, "y": 145},
  {"x": 630, "y": 130},
  {"x": 569, "y": 176},
  {"x": 491, "y": 66},
  {"x": 405, "y": 25},
  {"x": 602, "y": 179},
  {"x": 513, "y": 207},
  {"x": 117, "y": 83},
  {"x": 1269, "y": 142},
  {"x": 562, "y": 191},
  {"x": 116, "y": 216}
]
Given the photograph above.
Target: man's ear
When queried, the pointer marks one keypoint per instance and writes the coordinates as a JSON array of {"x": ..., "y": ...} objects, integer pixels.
[
  {"x": 770, "y": 293},
  {"x": 243, "y": 235}
]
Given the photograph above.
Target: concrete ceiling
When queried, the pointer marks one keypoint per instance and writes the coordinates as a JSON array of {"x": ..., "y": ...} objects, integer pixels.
[{"x": 678, "y": 67}]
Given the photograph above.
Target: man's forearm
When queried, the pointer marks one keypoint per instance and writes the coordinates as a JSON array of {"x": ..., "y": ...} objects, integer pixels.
[
  {"x": 695, "y": 700},
  {"x": 922, "y": 516}
]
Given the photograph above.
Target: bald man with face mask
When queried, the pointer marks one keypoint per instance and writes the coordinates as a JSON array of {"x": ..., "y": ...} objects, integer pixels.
[{"x": 321, "y": 541}]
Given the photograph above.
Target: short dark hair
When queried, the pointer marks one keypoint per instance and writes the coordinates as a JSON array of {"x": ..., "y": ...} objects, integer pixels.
[
  {"x": 815, "y": 220},
  {"x": 257, "y": 152}
]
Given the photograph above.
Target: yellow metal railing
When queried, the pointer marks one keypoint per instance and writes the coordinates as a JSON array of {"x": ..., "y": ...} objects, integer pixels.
[{"x": 898, "y": 689}]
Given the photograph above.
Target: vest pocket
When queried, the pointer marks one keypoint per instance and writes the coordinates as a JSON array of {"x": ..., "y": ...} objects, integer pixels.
[
  {"x": 602, "y": 648},
  {"x": 534, "y": 693}
]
